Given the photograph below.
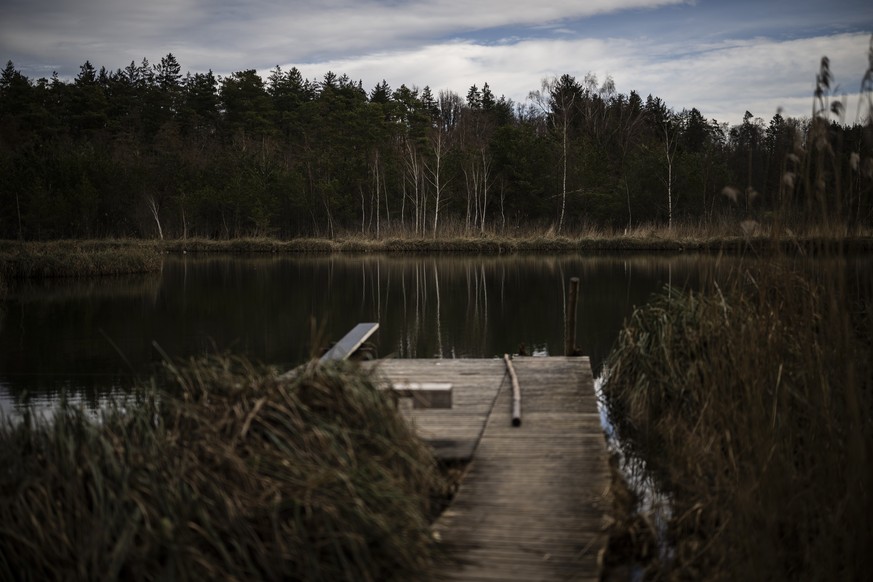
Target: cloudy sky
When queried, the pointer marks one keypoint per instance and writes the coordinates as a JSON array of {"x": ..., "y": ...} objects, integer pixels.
[{"x": 723, "y": 57}]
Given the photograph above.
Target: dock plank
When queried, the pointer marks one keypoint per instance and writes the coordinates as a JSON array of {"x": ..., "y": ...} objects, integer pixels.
[{"x": 532, "y": 503}]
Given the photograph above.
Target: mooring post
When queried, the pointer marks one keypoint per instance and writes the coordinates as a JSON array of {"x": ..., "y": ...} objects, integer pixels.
[{"x": 570, "y": 318}]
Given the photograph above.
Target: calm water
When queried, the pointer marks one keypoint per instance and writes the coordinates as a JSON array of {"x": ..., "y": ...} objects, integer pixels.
[{"x": 89, "y": 338}]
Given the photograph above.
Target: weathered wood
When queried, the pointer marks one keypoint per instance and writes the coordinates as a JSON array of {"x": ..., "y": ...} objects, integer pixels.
[
  {"x": 350, "y": 342},
  {"x": 425, "y": 394},
  {"x": 532, "y": 502},
  {"x": 570, "y": 318},
  {"x": 453, "y": 433},
  {"x": 516, "y": 392}
]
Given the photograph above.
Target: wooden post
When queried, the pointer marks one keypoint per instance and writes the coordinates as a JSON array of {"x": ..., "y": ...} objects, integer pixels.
[
  {"x": 516, "y": 392},
  {"x": 570, "y": 319}
]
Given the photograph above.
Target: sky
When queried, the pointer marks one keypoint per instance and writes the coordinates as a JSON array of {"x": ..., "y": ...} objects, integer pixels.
[{"x": 724, "y": 57}]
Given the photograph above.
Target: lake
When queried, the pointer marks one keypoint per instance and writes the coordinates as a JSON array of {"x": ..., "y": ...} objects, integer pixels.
[{"x": 91, "y": 337}]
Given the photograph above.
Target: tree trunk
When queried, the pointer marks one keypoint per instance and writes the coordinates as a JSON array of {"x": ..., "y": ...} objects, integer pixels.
[
  {"x": 563, "y": 180},
  {"x": 486, "y": 170},
  {"x": 153, "y": 207}
]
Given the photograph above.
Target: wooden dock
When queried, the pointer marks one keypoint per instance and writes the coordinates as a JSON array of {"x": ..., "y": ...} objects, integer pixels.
[{"x": 531, "y": 505}]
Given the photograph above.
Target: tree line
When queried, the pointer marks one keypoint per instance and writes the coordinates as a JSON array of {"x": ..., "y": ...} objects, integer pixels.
[{"x": 146, "y": 151}]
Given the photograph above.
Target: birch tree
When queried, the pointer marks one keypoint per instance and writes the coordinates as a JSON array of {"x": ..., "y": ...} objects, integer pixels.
[
  {"x": 558, "y": 99},
  {"x": 670, "y": 131}
]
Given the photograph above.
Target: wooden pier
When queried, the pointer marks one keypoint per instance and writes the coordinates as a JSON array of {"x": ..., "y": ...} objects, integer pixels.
[{"x": 531, "y": 505}]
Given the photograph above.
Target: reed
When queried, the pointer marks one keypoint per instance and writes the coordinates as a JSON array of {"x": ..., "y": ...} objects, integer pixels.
[
  {"x": 225, "y": 472},
  {"x": 753, "y": 409},
  {"x": 641, "y": 239},
  {"x": 77, "y": 259},
  {"x": 751, "y": 405},
  {"x": 68, "y": 258}
]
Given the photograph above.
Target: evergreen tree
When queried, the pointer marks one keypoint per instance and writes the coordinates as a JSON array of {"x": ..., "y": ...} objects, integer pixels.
[
  {"x": 87, "y": 107},
  {"x": 168, "y": 74},
  {"x": 15, "y": 92},
  {"x": 201, "y": 102},
  {"x": 144, "y": 151},
  {"x": 247, "y": 106},
  {"x": 488, "y": 101},
  {"x": 381, "y": 93},
  {"x": 474, "y": 98},
  {"x": 430, "y": 104}
]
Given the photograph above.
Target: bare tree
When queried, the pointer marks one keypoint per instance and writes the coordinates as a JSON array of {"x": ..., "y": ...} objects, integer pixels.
[
  {"x": 485, "y": 158},
  {"x": 440, "y": 141},
  {"x": 670, "y": 129},
  {"x": 154, "y": 208},
  {"x": 627, "y": 129},
  {"x": 437, "y": 142},
  {"x": 378, "y": 185},
  {"x": 558, "y": 100},
  {"x": 414, "y": 176}
]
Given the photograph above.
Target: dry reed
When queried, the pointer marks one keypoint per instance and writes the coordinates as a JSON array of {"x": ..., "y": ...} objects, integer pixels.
[
  {"x": 77, "y": 259},
  {"x": 753, "y": 409},
  {"x": 751, "y": 405},
  {"x": 228, "y": 472}
]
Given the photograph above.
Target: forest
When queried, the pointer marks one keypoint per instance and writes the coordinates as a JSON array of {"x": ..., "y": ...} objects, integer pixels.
[{"x": 147, "y": 152}]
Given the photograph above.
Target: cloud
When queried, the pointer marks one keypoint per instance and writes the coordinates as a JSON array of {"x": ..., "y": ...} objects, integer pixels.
[
  {"x": 720, "y": 58},
  {"x": 760, "y": 75},
  {"x": 722, "y": 80},
  {"x": 260, "y": 32}
]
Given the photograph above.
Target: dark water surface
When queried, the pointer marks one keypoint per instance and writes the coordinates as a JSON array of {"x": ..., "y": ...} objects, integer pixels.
[{"x": 90, "y": 337}]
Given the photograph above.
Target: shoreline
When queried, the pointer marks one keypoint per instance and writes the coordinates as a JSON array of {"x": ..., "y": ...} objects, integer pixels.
[{"x": 87, "y": 258}]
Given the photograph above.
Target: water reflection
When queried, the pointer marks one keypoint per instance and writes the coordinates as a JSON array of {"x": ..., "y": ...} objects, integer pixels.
[
  {"x": 45, "y": 404},
  {"x": 91, "y": 336}
]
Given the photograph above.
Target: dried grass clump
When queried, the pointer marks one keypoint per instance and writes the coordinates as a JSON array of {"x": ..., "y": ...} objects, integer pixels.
[
  {"x": 75, "y": 259},
  {"x": 227, "y": 473},
  {"x": 754, "y": 412}
]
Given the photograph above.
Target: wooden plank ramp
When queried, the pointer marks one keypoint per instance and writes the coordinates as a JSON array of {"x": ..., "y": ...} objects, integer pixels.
[{"x": 531, "y": 505}]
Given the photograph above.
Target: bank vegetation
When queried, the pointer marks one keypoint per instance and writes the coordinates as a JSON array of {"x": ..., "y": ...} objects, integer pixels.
[
  {"x": 752, "y": 407},
  {"x": 748, "y": 406},
  {"x": 221, "y": 471},
  {"x": 148, "y": 151}
]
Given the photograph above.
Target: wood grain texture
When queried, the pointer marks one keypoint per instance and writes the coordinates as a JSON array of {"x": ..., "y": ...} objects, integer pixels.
[{"x": 532, "y": 503}]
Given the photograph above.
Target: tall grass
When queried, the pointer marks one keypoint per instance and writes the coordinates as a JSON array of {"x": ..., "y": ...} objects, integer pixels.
[
  {"x": 751, "y": 404},
  {"x": 753, "y": 408},
  {"x": 110, "y": 257},
  {"x": 227, "y": 473},
  {"x": 77, "y": 259},
  {"x": 642, "y": 238}
]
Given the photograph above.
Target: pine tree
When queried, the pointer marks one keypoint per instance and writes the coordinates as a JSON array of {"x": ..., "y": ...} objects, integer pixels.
[
  {"x": 168, "y": 73},
  {"x": 487, "y": 98},
  {"x": 381, "y": 93},
  {"x": 474, "y": 98}
]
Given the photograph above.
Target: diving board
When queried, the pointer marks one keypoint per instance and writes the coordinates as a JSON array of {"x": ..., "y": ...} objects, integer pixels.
[{"x": 350, "y": 342}]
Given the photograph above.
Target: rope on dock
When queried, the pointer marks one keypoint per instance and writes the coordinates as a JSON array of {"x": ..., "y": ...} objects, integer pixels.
[{"x": 516, "y": 392}]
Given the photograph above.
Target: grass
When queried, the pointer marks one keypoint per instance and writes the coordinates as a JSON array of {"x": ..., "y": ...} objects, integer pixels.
[
  {"x": 750, "y": 405},
  {"x": 226, "y": 472},
  {"x": 683, "y": 237},
  {"x": 77, "y": 259},
  {"x": 64, "y": 258},
  {"x": 753, "y": 410},
  {"x": 89, "y": 258},
  {"x": 85, "y": 258}
]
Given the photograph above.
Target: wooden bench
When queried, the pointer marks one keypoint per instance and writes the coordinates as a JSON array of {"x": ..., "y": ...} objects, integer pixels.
[{"x": 425, "y": 394}]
